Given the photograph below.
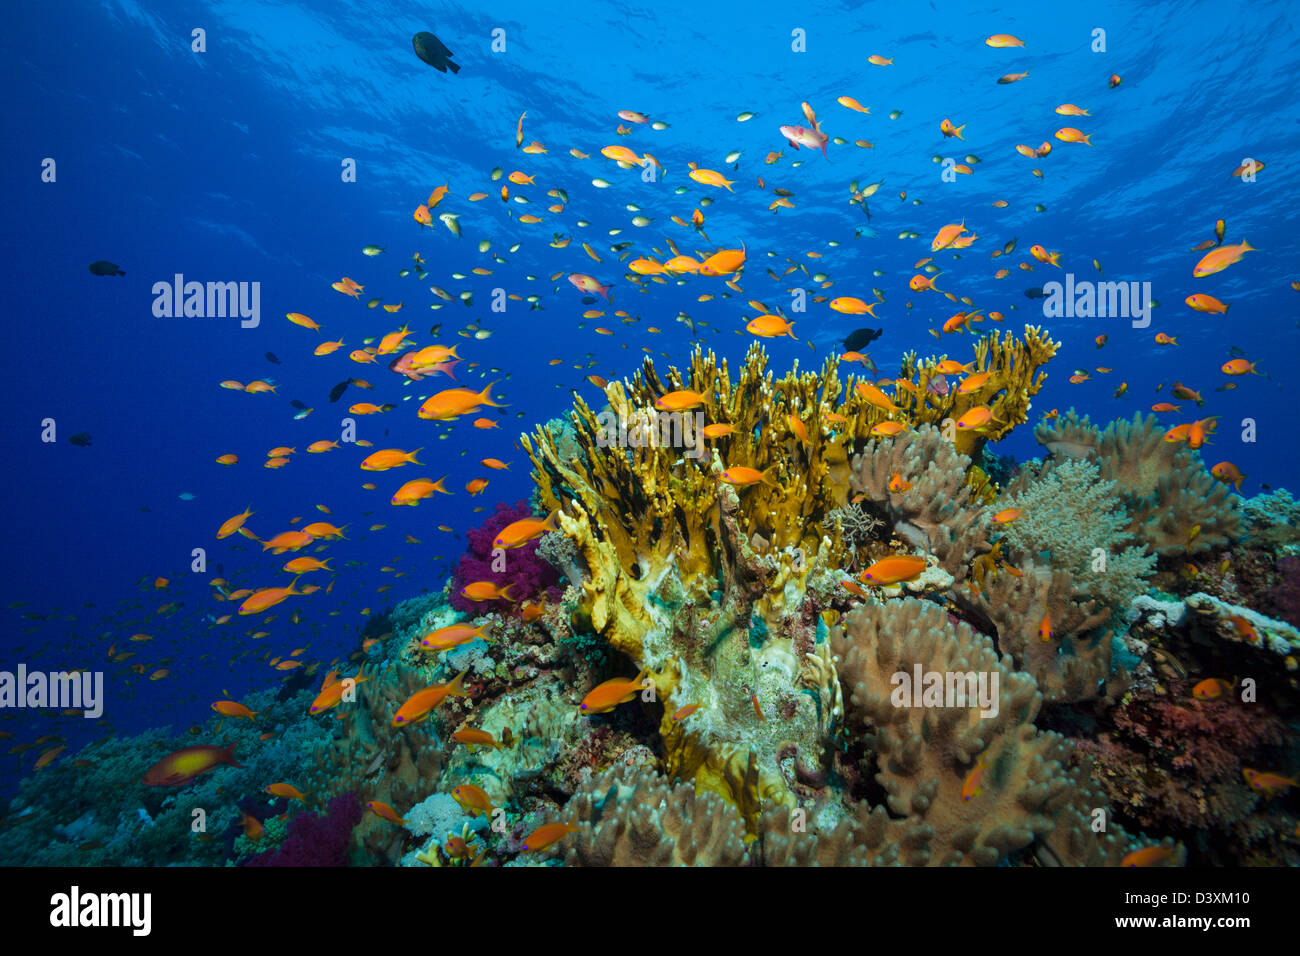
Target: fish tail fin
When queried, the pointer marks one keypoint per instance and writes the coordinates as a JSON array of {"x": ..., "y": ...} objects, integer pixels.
[
  {"x": 486, "y": 396},
  {"x": 457, "y": 686},
  {"x": 505, "y": 593},
  {"x": 1088, "y": 139},
  {"x": 228, "y": 753},
  {"x": 411, "y": 456},
  {"x": 552, "y": 521},
  {"x": 1245, "y": 246},
  {"x": 957, "y": 131}
]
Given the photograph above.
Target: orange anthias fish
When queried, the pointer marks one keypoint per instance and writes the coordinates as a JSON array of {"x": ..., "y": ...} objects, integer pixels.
[
  {"x": 331, "y": 693},
  {"x": 978, "y": 417},
  {"x": 894, "y": 569},
  {"x": 420, "y": 704},
  {"x": 182, "y": 766},
  {"x": 231, "y": 708},
  {"x": 286, "y": 790},
  {"x": 472, "y": 799},
  {"x": 605, "y": 697},
  {"x": 743, "y": 476},
  {"x": 455, "y": 635},
  {"x": 770, "y": 327},
  {"x": 253, "y": 828},
  {"x": 897, "y": 485},
  {"x": 685, "y": 712},
  {"x": 970, "y": 787},
  {"x": 487, "y": 591},
  {"x": 389, "y": 458},
  {"x": 1219, "y": 259},
  {"x": 383, "y": 810},
  {"x": 1269, "y": 784},
  {"x": 1228, "y": 473},
  {"x": 454, "y": 402},
  {"x": 518, "y": 533},
  {"x": 1212, "y": 688},
  {"x": 1238, "y": 366},
  {"x": 1147, "y": 856},
  {"x": 267, "y": 597},
  {"x": 680, "y": 401},
  {"x": 472, "y": 738},
  {"x": 546, "y": 835}
]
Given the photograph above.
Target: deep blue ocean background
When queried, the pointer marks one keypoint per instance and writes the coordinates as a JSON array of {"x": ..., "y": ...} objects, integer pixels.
[{"x": 225, "y": 166}]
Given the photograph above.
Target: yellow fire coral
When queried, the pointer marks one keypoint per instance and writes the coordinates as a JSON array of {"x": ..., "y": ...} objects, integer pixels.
[
  {"x": 709, "y": 566},
  {"x": 1013, "y": 379}
]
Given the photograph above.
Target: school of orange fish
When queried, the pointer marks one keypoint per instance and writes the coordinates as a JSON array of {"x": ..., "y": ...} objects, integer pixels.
[{"x": 720, "y": 272}]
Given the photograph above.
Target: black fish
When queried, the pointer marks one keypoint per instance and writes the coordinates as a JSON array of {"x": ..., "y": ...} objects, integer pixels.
[
  {"x": 433, "y": 52},
  {"x": 297, "y": 404},
  {"x": 859, "y": 339},
  {"x": 102, "y": 267},
  {"x": 337, "y": 391},
  {"x": 1035, "y": 293},
  {"x": 81, "y": 438},
  {"x": 588, "y": 300},
  {"x": 270, "y": 357}
]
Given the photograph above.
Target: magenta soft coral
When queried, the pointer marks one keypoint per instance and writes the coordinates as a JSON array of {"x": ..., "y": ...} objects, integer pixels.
[
  {"x": 524, "y": 572},
  {"x": 316, "y": 839}
]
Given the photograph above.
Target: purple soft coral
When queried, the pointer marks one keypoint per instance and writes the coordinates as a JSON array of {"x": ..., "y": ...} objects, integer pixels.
[
  {"x": 524, "y": 573},
  {"x": 316, "y": 839}
]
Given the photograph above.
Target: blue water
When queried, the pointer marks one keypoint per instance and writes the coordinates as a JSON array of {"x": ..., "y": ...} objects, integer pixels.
[{"x": 225, "y": 166}]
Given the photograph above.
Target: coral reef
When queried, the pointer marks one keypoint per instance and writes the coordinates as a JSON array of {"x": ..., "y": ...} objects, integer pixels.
[
  {"x": 1028, "y": 708},
  {"x": 1015, "y": 378}
]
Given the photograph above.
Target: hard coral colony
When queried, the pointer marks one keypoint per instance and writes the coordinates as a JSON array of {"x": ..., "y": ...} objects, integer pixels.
[{"x": 764, "y": 621}]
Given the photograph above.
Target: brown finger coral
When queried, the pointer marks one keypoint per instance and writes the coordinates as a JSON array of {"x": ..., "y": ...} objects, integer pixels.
[
  {"x": 925, "y": 756},
  {"x": 636, "y": 818}
]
